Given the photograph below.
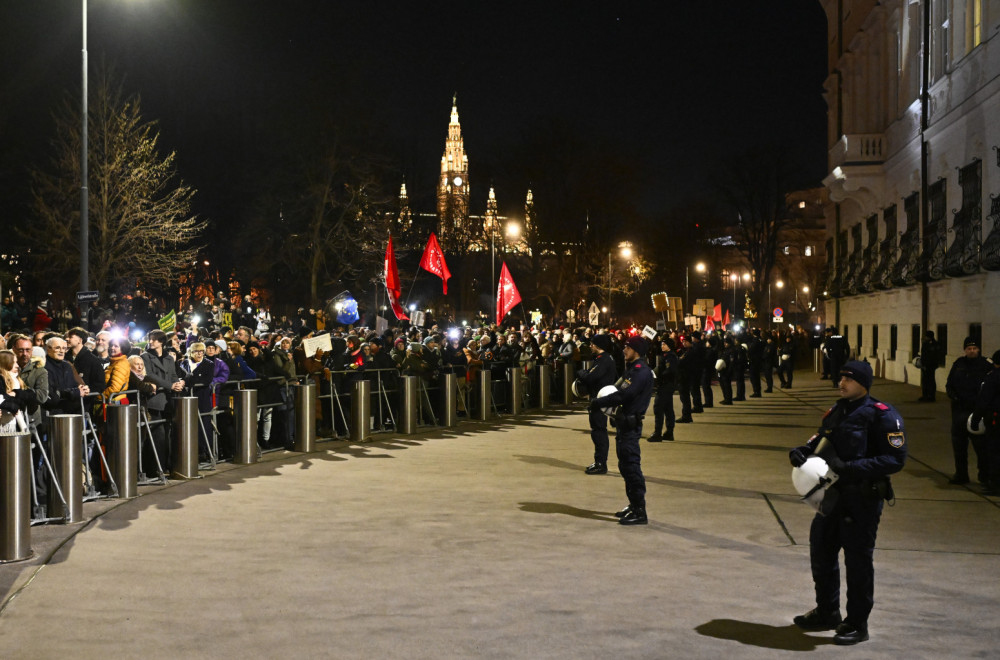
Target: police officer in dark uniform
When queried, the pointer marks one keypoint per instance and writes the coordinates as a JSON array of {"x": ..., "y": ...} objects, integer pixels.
[
  {"x": 697, "y": 366},
  {"x": 729, "y": 355},
  {"x": 966, "y": 376},
  {"x": 862, "y": 440},
  {"x": 666, "y": 382},
  {"x": 755, "y": 355},
  {"x": 838, "y": 350},
  {"x": 931, "y": 357},
  {"x": 602, "y": 372},
  {"x": 709, "y": 372},
  {"x": 740, "y": 369},
  {"x": 988, "y": 413},
  {"x": 687, "y": 370},
  {"x": 632, "y": 398}
]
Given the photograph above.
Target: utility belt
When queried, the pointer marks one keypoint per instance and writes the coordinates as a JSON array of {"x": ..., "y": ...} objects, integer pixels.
[
  {"x": 624, "y": 422},
  {"x": 870, "y": 490}
]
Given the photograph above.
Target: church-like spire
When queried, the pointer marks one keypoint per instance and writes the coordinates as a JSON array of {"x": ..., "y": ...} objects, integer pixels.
[
  {"x": 405, "y": 218},
  {"x": 453, "y": 184},
  {"x": 529, "y": 213}
]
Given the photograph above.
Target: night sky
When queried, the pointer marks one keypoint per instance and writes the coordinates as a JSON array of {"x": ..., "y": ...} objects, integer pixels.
[{"x": 674, "y": 87}]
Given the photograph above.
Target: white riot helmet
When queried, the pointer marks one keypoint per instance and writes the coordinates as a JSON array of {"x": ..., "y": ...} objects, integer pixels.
[
  {"x": 579, "y": 389},
  {"x": 812, "y": 480},
  {"x": 604, "y": 391},
  {"x": 975, "y": 430},
  {"x": 720, "y": 365}
]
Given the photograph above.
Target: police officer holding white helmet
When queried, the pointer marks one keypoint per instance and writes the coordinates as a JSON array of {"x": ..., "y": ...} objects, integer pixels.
[{"x": 863, "y": 442}]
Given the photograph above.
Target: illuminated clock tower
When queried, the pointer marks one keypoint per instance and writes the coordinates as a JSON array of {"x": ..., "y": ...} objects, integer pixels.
[{"x": 453, "y": 185}]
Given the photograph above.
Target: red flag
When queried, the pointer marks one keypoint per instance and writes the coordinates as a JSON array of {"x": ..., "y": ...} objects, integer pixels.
[
  {"x": 433, "y": 261},
  {"x": 717, "y": 316},
  {"x": 507, "y": 294},
  {"x": 709, "y": 324},
  {"x": 392, "y": 282},
  {"x": 726, "y": 321}
]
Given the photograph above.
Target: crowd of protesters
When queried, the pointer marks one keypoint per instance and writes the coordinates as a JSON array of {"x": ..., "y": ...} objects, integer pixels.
[{"x": 109, "y": 353}]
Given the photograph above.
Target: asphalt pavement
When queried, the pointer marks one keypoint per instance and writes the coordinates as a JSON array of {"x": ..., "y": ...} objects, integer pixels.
[{"x": 489, "y": 541}]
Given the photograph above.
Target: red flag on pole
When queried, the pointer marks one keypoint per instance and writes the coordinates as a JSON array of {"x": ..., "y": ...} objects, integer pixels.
[
  {"x": 726, "y": 320},
  {"x": 392, "y": 282},
  {"x": 717, "y": 316},
  {"x": 433, "y": 261},
  {"x": 709, "y": 324},
  {"x": 507, "y": 294}
]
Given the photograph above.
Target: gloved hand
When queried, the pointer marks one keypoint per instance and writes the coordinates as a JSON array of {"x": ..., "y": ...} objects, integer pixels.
[
  {"x": 835, "y": 463},
  {"x": 592, "y": 406},
  {"x": 28, "y": 400},
  {"x": 799, "y": 455},
  {"x": 10, "y": 405}
]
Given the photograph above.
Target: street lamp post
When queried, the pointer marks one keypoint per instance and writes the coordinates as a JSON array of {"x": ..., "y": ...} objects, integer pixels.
[
  {"x": 699, "y": 268},
  {"x": 84, "y": 208},
  {"x": 778, "y": 284}
]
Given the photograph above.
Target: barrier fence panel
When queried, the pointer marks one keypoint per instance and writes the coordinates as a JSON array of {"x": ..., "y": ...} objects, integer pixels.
[
  {"x": 50, "y": 484},
  {"x": 15, "y": 497},
  {"x": 66, "y": 436},
  {"x": 92, "y": 449}
]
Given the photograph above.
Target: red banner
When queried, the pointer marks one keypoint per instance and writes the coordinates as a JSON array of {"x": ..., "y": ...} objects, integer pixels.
[
  {"x": 392, "y": 286},
  {"x": 725, "y": 322},
  {"x": 717, "y": 316},
  {"x": 433, "y": 261},
  {"x": 507, "y": 294}
]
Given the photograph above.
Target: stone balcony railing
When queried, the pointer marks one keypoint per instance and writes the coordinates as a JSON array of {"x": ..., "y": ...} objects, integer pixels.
[{"x": 858, "y": 149}]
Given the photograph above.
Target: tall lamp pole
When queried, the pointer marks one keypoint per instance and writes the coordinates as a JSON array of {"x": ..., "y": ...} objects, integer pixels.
[
  {"x": 699, "y": 268},
  {"x": 84, "y": 209}
]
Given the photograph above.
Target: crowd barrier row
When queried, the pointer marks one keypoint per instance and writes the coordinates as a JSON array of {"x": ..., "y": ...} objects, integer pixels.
[{"x": 100, "y": 452}]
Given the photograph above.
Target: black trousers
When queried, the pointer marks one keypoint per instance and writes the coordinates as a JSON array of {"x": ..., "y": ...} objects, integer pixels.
[
  {"x": 685, "y": 396},
  {"x": 768, "y": 372},
  {"x": 627, "y": 448},
  {"x": 696, "y": 392},
  {"x": 599, "y": 435},
  {"x": 726, "y": 385},
  {"x": 706, "y": 386},
  {"x": 663, "y": 410},
  {"x": 852, "y": 527},
  {"x": 741, "y": 385},
  {"x": 785, "y": 371},
  {"x": 960, "y": 439},
  {"x": 928, "y": 383},
  {"x": 755, "y": 379}
]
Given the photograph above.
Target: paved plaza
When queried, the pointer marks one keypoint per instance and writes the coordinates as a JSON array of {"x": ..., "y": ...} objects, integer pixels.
[{"x": 489, "y": 541}]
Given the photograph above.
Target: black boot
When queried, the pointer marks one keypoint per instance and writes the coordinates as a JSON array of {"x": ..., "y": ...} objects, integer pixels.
[
  {"x": 849, "y": 634},
  {"x": 815, "y": 619},
  {"x": 669, "y": 435},
  {"x": 635, "y": 516},
  {"x": 597, "y": 468}
]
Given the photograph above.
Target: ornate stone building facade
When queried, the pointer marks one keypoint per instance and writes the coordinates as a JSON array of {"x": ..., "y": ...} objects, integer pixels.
[{"x": 913, "y": 221}]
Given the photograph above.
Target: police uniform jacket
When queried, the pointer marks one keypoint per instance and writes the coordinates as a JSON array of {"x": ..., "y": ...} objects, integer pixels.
[
  {"x": 634, "y": 393},
  {"x": 964, "y": 379},
  {"x": 731, "y": 354},
  {"x": 867, "y": 435},
  {"x": 666, "y": 372},
  {"x": 689, "y": 365},
  {"x": 988, "y": 400},
  {"x": 601, "y": 373}
]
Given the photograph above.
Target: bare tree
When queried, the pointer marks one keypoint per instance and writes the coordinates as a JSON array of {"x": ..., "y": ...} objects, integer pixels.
[
  {"x": 140, "y": 218},
  {"x": 754, "y": 188},
  {"x": 338, "y": 228}
]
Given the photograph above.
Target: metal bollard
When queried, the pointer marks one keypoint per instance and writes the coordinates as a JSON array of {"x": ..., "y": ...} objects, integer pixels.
[
  {"x": 305, "y": 418},
  {"x": 485, "y": 395},
  {"x": 449, "y": 399},
  {"x": 544, "y": 385},
  {"x": 123, "y": 452},
  {"x": 185, "y": 438},
  {"x": 407, "y": 404},
  {"x": 516, "y": 390},
  {"x": 586, "y": 365},
  {"x": 245, "y": 414},
  {"x": 15, "y": 497},
  {"x": 67, "y": 445},
  {"x": 361, "y": 416},
  {"x": 569, "y": 375}
]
